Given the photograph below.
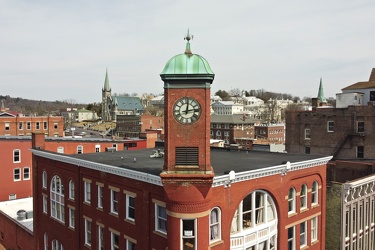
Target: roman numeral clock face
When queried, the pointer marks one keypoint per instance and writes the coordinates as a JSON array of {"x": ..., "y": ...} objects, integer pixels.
[{"x": 186, "y": 110}]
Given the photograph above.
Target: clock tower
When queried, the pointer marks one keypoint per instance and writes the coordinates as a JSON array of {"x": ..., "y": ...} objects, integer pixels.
[{"x": 187, "y": 173}]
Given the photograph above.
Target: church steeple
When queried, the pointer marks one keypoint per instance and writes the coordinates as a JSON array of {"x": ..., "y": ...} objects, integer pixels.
[
  {"x": 321, "y": 98},
  {"x": 106, "y": 82}
]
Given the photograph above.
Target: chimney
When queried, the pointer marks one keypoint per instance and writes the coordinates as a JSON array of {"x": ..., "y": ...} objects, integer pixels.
[{"x": 38, "y": 141}]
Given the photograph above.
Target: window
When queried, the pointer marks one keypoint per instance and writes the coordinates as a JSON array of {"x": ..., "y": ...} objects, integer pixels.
[
  {"x": 360, "y": 127},
  {"x": 160, "y": 218},
  {"x": 87, "y": 188},
  {"x": 16, "y": 155},
  {"x": 45, "y": 208},
  {"x": 100, "y": 196},
  {"x": 55, "y": 125},
  {"x": 330, "y": 126},
  {"x": 71, "y": 189},
  {"x": 88, "y": 232},
  {"x": 130, "y": 245},
  {"x": 372, "y": 96},
  {"x": 57, "y": 199},
  {"x": 17, "y": 174},
  {"x": 130, "y": 207},
  {"x": 28, "y": 125},
  {"x": 45, "y": 241},
  {"x": 26, "y": 173},
  {"x": 307, "y": 150},
  {"x": 60, "y": 150},
  {"x": 56, "y": 245},
  {"x": 303, "y": 197},
  {"x": 7, "y": 126},
  {"x": 79, "y": 149},
  {"x": 291, "y": 239},
  {"x": 115, "y": 238},
  {"x": 45, "y": 125},
  {"x": 215, "y": 221},
  {"x": 291, "y": 201},
  {"x": 12, "y": 197},
  {"x": 100, "y": 238},
  {"x": 307, "y": 134},
  {"x": 303, "y": 234},
  {"x": 360, "y": 152},
  {"x": 44, "y": 179},
  {"x": 37, "y": 125},
  {"x": 114, "y": 201},
  {"x": 71, "y": 217},
  {"x": 97, "y": 148},
  {"x": 314, "y": 193},
  {"x": 188, "y": 234},
  {"x": 20, "y": 125},
  {"x": 314, "y": 229}
]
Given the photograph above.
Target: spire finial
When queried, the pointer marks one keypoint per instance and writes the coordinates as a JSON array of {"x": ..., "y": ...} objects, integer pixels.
[{"x": 188, "y": 38}]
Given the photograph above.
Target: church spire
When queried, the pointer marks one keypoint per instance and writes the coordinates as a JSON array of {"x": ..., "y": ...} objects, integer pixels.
[
  {"x": 106, "y": 81},
  {"x": 321, "y": 97}
]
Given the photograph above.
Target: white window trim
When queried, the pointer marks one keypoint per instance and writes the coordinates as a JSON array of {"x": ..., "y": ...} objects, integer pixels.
[
  {"x": 44, "y": 180},
  {"x": 304, "y": 235},
  {"x": 45, "y": 204},
  {"x": 87, "y": 191},
  {"x": 28, "y": 169},
  {"x": 19, "y": 155},
  {"x": 303, "y": 196},
  {"x": 159, "y": 205},
  {"x": 100, "y": 196},
  {"x": 314, "y": 229},
  {"x": 293, "y": 200},
  {"x": 88, "y": 231},
  {"x": 128, "y": 196},
  {"x": 114, "y": 202},
  {"x": 112, "y": 240},
  {"x": 71, "y": 217},
  {"x": 217, "y": 224},
  {"x": 293, "y": 239},
  {"x": 315, "y": 194},
  {"x": 57, "y": 200},
  {"x": 328, "y": 127},
  {"x": 79, "y": 149},
  {"x": 71, "y": 189},
  {"x": 19, "y": 174}
]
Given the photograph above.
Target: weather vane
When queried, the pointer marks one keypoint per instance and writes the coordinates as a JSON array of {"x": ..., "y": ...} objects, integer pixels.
[{"x": 188, "y": 37}]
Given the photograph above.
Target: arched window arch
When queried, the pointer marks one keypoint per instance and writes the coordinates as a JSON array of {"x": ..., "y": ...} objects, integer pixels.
[
  {"x": 303, "y": 197},
  {"x": 44, "y": 179},
  {"x": 292, "y": 200},
  {"x": 218, "y": 133},
  {"x": 256, "y": 212},
  {"x": 215, "y": 224},
  {"x": 57, "y": 199},
  {"x": 314, "y": 193},
  {"x": 71, "y": 189}
]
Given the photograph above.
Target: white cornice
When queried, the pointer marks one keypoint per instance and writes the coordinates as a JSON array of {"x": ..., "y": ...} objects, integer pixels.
[{"x": 156, "y": 180}]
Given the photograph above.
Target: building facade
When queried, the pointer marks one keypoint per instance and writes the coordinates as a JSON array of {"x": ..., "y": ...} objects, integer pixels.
[
  {"x": 184, "y": 195},
  {"x": 20, "y": 125}
]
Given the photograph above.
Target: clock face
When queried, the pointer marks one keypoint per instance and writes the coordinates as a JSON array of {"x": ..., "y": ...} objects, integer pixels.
[{"x": 187, "y": 110}]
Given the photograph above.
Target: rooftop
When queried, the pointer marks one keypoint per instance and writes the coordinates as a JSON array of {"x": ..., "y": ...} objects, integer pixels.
[
  {"x": 222, "y": 160},
  {"x": 11, "y": 208}
]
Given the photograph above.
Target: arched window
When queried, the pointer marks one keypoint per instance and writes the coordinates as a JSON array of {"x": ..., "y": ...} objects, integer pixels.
[
  {"x": 303, "y": 197},
  {"x": 45, "y": 241},
  {"x": 292, "y": 200},
  {"x": 56, "y": 245},
  {"x": 314, "y": 193},
  {"x": 44, "y": 179},
  {"x": 218, "y": 133},
  {"x": 256, "y": 212},
  {"x": 71, "y": 189},
  {"x": 215, "y": 224},
  {"x": 57, "y": 199}
]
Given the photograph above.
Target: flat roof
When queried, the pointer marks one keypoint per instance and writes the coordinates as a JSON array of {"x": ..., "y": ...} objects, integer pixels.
[
  {"x": 222, "y": 160},
  {"x": 11, "y": 208}
]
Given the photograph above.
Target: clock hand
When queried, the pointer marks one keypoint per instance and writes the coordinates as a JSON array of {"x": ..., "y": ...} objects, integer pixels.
[{"x": 187, "y": 106}]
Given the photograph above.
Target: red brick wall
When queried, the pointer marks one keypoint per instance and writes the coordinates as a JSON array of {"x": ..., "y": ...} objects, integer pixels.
[
  {"x": 15, "y": 131},
  {"x": 15, "y": 235}
]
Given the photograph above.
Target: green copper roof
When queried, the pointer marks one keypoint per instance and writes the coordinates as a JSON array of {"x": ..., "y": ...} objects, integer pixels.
[
  {"x": 321, "y": 92},
  {"x": 187, "y": 63}
]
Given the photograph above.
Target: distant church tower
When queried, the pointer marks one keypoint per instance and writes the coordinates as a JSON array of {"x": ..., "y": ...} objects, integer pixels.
[
  {"x": 106, "y": 100},
  {"x": 321, "y": 98}
]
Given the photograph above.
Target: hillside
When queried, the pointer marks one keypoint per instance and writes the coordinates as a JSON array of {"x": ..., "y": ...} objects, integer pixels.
[{"x": 40, "y": 107}]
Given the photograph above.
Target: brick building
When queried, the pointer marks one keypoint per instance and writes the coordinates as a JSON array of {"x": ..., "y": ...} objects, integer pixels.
[
  {"x": 16, "y": 158},
  {"x": 187, "y": 195},
  {"x": 20, "y": 125},
  {"x": 231, "y": 127},
  {"x": 270, "y": 133},
  {"x": 130, "y": 126}
]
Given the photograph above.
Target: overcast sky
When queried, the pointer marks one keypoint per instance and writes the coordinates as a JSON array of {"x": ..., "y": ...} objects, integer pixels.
[{"x": 59, "y": 50}]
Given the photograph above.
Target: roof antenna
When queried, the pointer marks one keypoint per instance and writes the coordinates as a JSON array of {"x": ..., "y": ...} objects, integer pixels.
[{"x": 188, "y": 38}]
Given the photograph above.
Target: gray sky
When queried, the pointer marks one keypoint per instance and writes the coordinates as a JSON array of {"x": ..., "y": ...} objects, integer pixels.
[{"x": 59, "y": 50}]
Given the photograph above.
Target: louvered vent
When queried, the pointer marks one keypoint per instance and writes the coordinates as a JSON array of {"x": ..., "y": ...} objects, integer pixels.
[{"x": 186, "y": 156}]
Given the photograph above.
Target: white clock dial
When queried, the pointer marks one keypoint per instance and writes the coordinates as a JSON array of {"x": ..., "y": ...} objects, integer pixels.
[{"x": 186, "y": 110}]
